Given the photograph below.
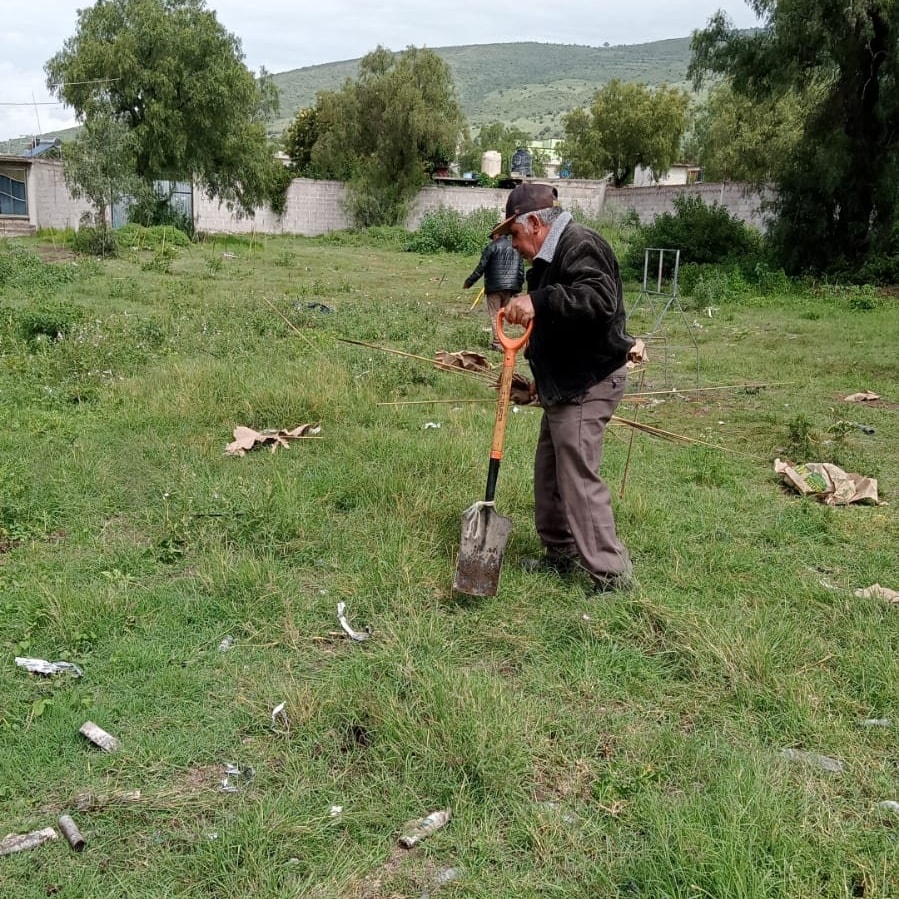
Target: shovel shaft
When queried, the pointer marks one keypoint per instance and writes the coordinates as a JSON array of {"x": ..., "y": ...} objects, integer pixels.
[
  {"x": 510, "y": 348},
  {"x": 484, "y": 532}
]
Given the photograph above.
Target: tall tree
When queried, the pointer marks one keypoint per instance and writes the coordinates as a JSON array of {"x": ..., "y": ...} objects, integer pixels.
[
  {"x": 626, "y": 125},
  {"x": 99, "y": 163},
  {"x": 838, "y": 189},
  {"x": 299, "y": 139},
  {"x": 386, "y": 131},
  {"x": 176, "y": 78},
  {"x": 735, "y": 138}
]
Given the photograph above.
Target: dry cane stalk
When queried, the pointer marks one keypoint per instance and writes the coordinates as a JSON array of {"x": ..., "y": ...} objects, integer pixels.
[
  {"x": 481, "y": 376},
  {"x": 630, "y": 445}
]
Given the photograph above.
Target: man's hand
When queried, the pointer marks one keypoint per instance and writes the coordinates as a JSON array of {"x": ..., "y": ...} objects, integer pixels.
[{"x": 520, "y": 310}]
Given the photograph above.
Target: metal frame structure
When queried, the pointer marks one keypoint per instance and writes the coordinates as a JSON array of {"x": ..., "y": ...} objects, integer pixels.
[{"x": 660, "y": 300}]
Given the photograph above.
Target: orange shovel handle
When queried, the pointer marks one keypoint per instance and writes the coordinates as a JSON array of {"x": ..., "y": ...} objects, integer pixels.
[{"x": 510, "y": 348}]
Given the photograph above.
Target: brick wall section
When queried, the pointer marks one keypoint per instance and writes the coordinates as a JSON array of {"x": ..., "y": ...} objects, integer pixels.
[
  {"x": 50, "y": 205},
  {"x": 313, "y": 207}
]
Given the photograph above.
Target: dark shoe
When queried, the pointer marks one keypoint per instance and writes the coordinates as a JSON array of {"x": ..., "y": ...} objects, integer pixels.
[
  {"x": 614, "y": 583},
  {"x": 497, "y": 346},
  {"x": 561, "y": 564}
]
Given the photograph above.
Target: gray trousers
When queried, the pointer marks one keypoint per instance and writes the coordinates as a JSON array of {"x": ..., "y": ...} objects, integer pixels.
[
  {"x": 572, "y": 504},
  {"x": 495, "y": 302}
]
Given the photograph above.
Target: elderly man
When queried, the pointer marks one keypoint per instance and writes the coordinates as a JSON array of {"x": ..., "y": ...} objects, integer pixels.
[{"x": 577, "y": 353}]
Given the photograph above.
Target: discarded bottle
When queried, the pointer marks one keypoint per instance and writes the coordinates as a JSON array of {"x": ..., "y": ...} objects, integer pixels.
[{"x": 423, "y": 827}]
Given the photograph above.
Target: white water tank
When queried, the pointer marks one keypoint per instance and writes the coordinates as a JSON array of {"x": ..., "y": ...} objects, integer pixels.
[{"x": 491, "y": 162}]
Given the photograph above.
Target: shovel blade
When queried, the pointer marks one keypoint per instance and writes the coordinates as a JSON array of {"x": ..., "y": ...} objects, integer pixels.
[{"x": 481, "y": 550}]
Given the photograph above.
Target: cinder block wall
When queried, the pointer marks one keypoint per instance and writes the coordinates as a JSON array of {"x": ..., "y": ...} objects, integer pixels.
[
  {"x": 588, "y": 196},
  {"x": 462, "y": 199},
  {"x": 648, "y": 202},
  {"x": 317, "y": 207},
  {"x": 50, "y": 205},
  {"x": 313, "y": 207}
]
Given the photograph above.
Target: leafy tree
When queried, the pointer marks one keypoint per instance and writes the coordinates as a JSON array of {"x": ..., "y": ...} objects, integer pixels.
[
  {"x": 736, "y": 138},
  {"x": 626, "y": 125},
  {"x": 175, "y": 77},
  {"x": 385, "y": 131},
  {"x": 299, "y": 139},
  {"x": 838, "y": 188},
  {"x": 99, "y": 163}
]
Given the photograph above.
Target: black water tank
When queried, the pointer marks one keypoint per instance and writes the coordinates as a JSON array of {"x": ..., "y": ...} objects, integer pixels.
[{"x": 522, "y": 163}]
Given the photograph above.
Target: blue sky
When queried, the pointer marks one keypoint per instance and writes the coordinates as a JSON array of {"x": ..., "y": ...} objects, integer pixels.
[{"x": 286, "y": 34}]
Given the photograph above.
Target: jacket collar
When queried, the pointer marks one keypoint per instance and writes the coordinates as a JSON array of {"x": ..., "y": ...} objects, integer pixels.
[{"x": 548, "y": 250}]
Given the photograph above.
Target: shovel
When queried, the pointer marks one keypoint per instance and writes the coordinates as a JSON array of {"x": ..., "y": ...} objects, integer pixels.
[{"x": 485, "y": 532}]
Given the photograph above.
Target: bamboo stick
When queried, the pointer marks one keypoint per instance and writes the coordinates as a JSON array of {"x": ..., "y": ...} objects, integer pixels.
[
  {"x": 682, "y": 438},
  {"x": 481, "y": 376},
  {"x": 675, "y": 392},
  {"x": 630, "y": 445},
  {"x": 293, "y": 327},
  {"x": 432, "y": 402}
]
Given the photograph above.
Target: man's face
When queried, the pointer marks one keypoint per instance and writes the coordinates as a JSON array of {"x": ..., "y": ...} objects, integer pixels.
[{"x": 527, "y": 237}]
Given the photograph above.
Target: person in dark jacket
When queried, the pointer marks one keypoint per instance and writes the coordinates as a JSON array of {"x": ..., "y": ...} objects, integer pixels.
[
  {"x": 503, "y": 271},
  {"x": 577, "y": 353}
]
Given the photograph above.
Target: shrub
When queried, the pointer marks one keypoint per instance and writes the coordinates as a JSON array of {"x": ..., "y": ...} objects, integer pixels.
[
  {"x": 48, "y": 320},
  {"x": 704, "y": 235},
  {"x": 619, "y": 230},
  {"x": 878, "y": 269},
  {"x": 27, "y": 274},
  {"x": 95, "y": 240},
  {"x": 385, "y": 236},
  {"x": 447, "y": 230},
  {"x": 151, "y": 209},
  {"x": 151, "y": 238}
]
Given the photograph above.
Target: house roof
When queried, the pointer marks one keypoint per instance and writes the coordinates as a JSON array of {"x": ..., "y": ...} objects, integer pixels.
[{"x": 41, "y": 147}]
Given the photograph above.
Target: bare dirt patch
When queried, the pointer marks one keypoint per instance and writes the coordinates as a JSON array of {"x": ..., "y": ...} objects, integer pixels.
[{"x": 54, "y": 253}]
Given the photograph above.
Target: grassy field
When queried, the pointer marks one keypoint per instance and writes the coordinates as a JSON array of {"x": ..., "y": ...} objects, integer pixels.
[{"x": 626, "y": 746}]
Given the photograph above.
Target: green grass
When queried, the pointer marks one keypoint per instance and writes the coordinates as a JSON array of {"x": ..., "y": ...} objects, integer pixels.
[{"x": 627, "y": 746}]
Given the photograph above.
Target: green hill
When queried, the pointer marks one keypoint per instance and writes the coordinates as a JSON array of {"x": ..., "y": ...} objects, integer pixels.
[{"x": 529, "y": 85}]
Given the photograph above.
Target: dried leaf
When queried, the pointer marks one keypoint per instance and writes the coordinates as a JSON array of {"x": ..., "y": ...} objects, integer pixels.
[
  {"x": 246, "y": 438},
  {"x": 875, "y": 591},
  {"x": 464, "y": 359},
  {"x": 865, "y": 396},
  {"x": 523, "y": 391}
]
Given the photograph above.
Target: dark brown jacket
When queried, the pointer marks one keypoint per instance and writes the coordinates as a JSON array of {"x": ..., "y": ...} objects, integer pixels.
[{"x": 579, "y": 335}]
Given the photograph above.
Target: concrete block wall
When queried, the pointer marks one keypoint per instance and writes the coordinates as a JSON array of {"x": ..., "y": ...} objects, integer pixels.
[
  {"x": 313, "y": 207},
  {"x": 588, "y": 196},
  {"x": 739, "y": 199},
  {"x": 50, "y": 205},
  {"x": 317, "y": 207},
  {"x": 463, "y": 199}
]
